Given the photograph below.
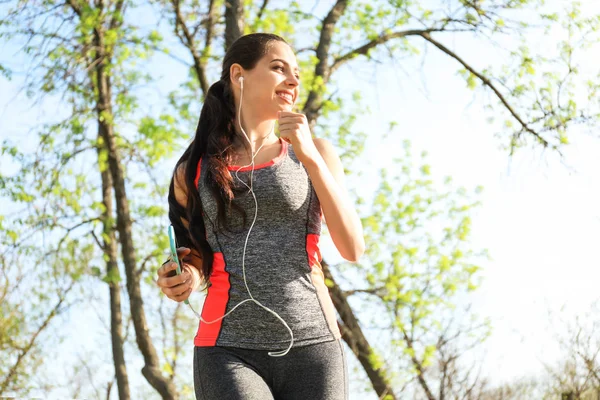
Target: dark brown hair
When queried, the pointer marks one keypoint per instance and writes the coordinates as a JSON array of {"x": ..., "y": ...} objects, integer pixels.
[{"x": 214, "y": 137}]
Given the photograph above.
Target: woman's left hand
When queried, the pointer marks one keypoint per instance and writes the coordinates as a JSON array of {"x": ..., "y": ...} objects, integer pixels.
[{"x": 293, "y": 128}]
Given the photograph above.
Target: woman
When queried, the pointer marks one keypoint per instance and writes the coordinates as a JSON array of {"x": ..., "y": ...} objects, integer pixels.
[{"x": 247, "y": 208}]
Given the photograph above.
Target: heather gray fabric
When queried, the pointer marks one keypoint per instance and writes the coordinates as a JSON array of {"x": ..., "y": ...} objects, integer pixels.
[
  {"x": 309, "y": 372},
  {"x": 280, "y": 272}
]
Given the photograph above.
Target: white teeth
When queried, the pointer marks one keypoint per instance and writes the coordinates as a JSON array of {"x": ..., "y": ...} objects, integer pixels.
[{"x": 286, "y": 96}]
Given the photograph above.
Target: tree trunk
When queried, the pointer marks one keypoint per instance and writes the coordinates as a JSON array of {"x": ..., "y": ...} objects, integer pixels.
[
  {"x": 151, "y": 369},
  {"x": 314, "y": 101},
  {"x": 355, "y": 338},
  {"x": 234, "y": 21},
  {"x": 112, "y": 271}
]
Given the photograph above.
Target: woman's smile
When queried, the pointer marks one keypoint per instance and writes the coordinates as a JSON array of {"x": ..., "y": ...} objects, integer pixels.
[{"x": 286, "y": 96}]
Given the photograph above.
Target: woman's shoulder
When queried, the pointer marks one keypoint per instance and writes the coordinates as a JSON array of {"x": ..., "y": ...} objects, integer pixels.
[
  {"x": 179, "y": 186},
  {"x": 179, "y": 174}
]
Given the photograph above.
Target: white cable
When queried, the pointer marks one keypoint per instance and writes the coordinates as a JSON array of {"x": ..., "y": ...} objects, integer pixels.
[{"x": 254, "y": 153}]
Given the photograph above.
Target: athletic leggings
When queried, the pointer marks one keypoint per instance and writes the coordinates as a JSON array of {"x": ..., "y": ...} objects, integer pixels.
[{"x": 316, "y": 372}]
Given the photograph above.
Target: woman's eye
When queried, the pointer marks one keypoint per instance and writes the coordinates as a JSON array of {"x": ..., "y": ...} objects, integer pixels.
[{"x": 281, "y": 68}]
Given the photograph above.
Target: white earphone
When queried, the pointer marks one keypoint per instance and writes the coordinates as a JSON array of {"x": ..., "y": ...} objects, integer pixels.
[{"x": 254, "y": 153}]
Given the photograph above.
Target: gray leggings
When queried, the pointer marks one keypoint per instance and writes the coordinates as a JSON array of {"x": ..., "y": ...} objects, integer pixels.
[{"x": 308, "y": 372}]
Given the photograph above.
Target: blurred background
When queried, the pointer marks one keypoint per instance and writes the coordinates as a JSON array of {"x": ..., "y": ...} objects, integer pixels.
[{"x": 469, "y": 134}]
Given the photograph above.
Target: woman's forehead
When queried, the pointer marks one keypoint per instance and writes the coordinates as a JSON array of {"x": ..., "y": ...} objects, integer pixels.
[{"x": 282, "y": 52}]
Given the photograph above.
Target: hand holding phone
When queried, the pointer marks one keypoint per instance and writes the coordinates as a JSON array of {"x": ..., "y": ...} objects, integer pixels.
[
  {"x": 170, "y": 278},
  {"x": 173, "y": 247}
]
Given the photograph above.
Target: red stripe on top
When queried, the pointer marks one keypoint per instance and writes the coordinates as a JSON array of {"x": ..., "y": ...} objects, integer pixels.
[
  {"x": 282, "y": 153},
  {"x": 198, "y": 170},
  {"x": 312, "y": 249},
  {"x": 215, "y": 304}
]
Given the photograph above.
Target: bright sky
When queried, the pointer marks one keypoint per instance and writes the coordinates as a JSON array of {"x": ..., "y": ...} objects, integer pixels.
[{"x": 539, "y": 218}]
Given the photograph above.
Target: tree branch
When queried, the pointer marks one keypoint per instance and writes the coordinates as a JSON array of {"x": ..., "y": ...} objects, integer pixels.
[
  {"x": 322, "y": 70},
  {"x": 364, "y": 49},
  {"x": 68, "y": 232},
  {"x": 190, "y": 43},
  {"x": 487, "y": 82},
  {"x": 374, "y": 291},
  {"x": 262, "y": 9},
  {"x": 75, "y": 7},
  {"x": 209, "y": 25},
  {"x": 117, "y": 20},
  {"x": 418, "y": 366},
  {"x": 55, "y": 311}
]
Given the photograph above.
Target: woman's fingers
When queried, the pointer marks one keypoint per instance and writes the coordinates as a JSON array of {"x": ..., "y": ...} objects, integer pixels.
[
  {"x": 177, "y": 279},
  {"x": 179, "y": 292},
  {"x": 182, "y": 252},
  {"x": 165, "y": 280},
  {"x": 175, "y": 287},
  {"x": 184, "y": 296},
  {"x": 173, "y": 281},
  {"x": 176, "y": 292},
  {"x": 166, "y": 270}
]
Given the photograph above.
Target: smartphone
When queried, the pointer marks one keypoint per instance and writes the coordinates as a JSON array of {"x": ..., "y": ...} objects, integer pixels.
[{"x": 173, "y": 246}]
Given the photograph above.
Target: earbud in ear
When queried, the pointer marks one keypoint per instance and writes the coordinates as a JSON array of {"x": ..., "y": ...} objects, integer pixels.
[{"x": 241, "y": 79}]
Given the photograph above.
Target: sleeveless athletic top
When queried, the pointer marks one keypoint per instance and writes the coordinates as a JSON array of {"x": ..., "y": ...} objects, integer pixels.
[{"x": 283, "y": 269}]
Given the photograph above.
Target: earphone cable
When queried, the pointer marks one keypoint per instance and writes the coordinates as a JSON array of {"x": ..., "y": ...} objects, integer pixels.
[{"x": 252, "y": 164}]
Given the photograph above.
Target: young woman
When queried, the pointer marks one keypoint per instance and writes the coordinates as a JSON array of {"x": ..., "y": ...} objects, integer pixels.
[{"x": 247, "y": 208}]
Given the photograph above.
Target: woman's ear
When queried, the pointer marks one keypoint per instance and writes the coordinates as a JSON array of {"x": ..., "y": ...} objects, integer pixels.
[{"x": 235, "y": 72}]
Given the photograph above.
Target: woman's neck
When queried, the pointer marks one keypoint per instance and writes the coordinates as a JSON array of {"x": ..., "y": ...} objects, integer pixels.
[{"x": 259, "y": 132}]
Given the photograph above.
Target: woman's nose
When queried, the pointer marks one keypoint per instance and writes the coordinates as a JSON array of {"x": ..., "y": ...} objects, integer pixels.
[{"x": 293, "y": 80}]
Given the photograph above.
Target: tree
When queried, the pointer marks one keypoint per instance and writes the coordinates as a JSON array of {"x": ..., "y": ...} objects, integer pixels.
[
  {"x": 24, "y": 325},
  {"x": 577, "y": 374},
  {"x": 87, "y": 54},
  {"x": 91, "y": 55},
  {"x": 417, "y": 266}
]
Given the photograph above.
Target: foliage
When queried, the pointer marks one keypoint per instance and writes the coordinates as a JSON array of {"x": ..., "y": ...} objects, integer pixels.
[{"x": 419, "y": 265}]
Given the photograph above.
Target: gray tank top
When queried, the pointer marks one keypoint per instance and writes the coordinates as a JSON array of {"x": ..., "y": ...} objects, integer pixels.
[{"x": 283, "y": 269}]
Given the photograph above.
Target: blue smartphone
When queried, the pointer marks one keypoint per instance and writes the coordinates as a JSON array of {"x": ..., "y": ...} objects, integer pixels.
[{"x": 173, "y": 246}]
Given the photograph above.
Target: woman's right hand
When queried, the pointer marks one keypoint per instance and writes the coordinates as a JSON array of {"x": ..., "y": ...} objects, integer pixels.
[{"x": 178, "y": 287}]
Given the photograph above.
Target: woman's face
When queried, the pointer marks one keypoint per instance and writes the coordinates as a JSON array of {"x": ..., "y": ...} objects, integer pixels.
[{"x": 273, "y": 84}]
